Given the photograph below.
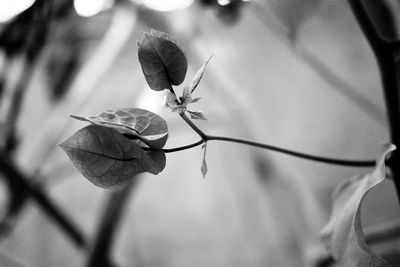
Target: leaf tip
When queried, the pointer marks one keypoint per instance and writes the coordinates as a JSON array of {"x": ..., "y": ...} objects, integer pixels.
[
  {"x": 204, "y": 169},
  {"x": 211, "y": 56},
  {"x": 63, "y": 146},
  {"x": 79, "y": 118}
]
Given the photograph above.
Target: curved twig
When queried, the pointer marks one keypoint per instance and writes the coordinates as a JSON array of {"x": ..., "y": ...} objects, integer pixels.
[{"x": 205, "y": 138}]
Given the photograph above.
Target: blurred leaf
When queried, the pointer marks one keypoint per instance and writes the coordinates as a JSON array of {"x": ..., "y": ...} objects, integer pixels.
[
  {"x": 293, "y": 13},
  {"x": 163, "y": 62},
  {"x": 199, "y": 74},
  {"x": 147, "y": 126},
  {"x": 107, "y": 158},
  {"x": 343, "y": 235}
]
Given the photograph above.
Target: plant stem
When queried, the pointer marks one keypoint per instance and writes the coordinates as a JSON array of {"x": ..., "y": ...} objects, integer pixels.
[
  {"x": 205, "y": 137},
  {"x": 342, "y": 162},
  {"x": 109, "y": 223},
  {"x": 353, "y": 163},
  {"x": 194, "y": 127},
  {"x": 387, "y": 55},
  {"x": 176, "y": 149},
  {"x": 18, "y": 180}
]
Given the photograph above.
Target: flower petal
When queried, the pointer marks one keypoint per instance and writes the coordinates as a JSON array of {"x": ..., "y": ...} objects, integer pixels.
[{"x": 186, "y": 96}]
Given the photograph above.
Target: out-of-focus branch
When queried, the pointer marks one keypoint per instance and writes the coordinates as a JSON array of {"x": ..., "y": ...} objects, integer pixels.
[
  {"x": 109, "y": 223},
  {"x": 10, "y": 123},
  {"x": 82, "y": 88},
  {"x": 19, "y": 181},
  {"x": 3, "y": 71},
  {"x": 387, "y": 56},
  {"x": 318, "y": 66},
  {"x": 22, "y": 39},
  {"x": 32, "y": 27}
]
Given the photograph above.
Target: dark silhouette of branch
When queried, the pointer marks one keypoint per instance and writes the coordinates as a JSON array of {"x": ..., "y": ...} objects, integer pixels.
[
  {"x": 35, "y": 28},
  {"x": 21, "y": 183},
  {"x": 109, "y": 223},
  {"x": 387, "y": 56}
]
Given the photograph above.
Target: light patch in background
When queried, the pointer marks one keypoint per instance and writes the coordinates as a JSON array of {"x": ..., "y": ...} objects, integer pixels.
[
  {"x": 150, "y": 100},
  {"x": 11, "y": 8},
  {"x": 164, "y": 5},
  {"x": 223, "y": 2},
  {"x": 85, "y": 8}
]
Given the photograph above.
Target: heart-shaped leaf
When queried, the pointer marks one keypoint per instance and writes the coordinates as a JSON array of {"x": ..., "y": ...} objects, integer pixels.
[
  {"x": 343, "y": 235},
  {"x": 145, "y": 125},
  {"x": 107, "y": 158},
  {"x": 163, "y": 62}
]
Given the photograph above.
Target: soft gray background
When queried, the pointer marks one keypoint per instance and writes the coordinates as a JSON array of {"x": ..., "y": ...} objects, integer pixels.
[{"x": 255, "y": 207}]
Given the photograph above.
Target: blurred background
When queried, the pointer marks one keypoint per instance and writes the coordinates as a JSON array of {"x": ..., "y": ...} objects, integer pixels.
[{"x": 295, "y": 74}]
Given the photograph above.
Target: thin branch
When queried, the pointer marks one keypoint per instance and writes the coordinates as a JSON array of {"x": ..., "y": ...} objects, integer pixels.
[
  {"x": 342, "y": 162},
  {"x": 193, "y": 126},
  {"x": 17, "y": 179},
  {"x": 205, "y": 137},
  {"x": 176, "y": 149}
]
